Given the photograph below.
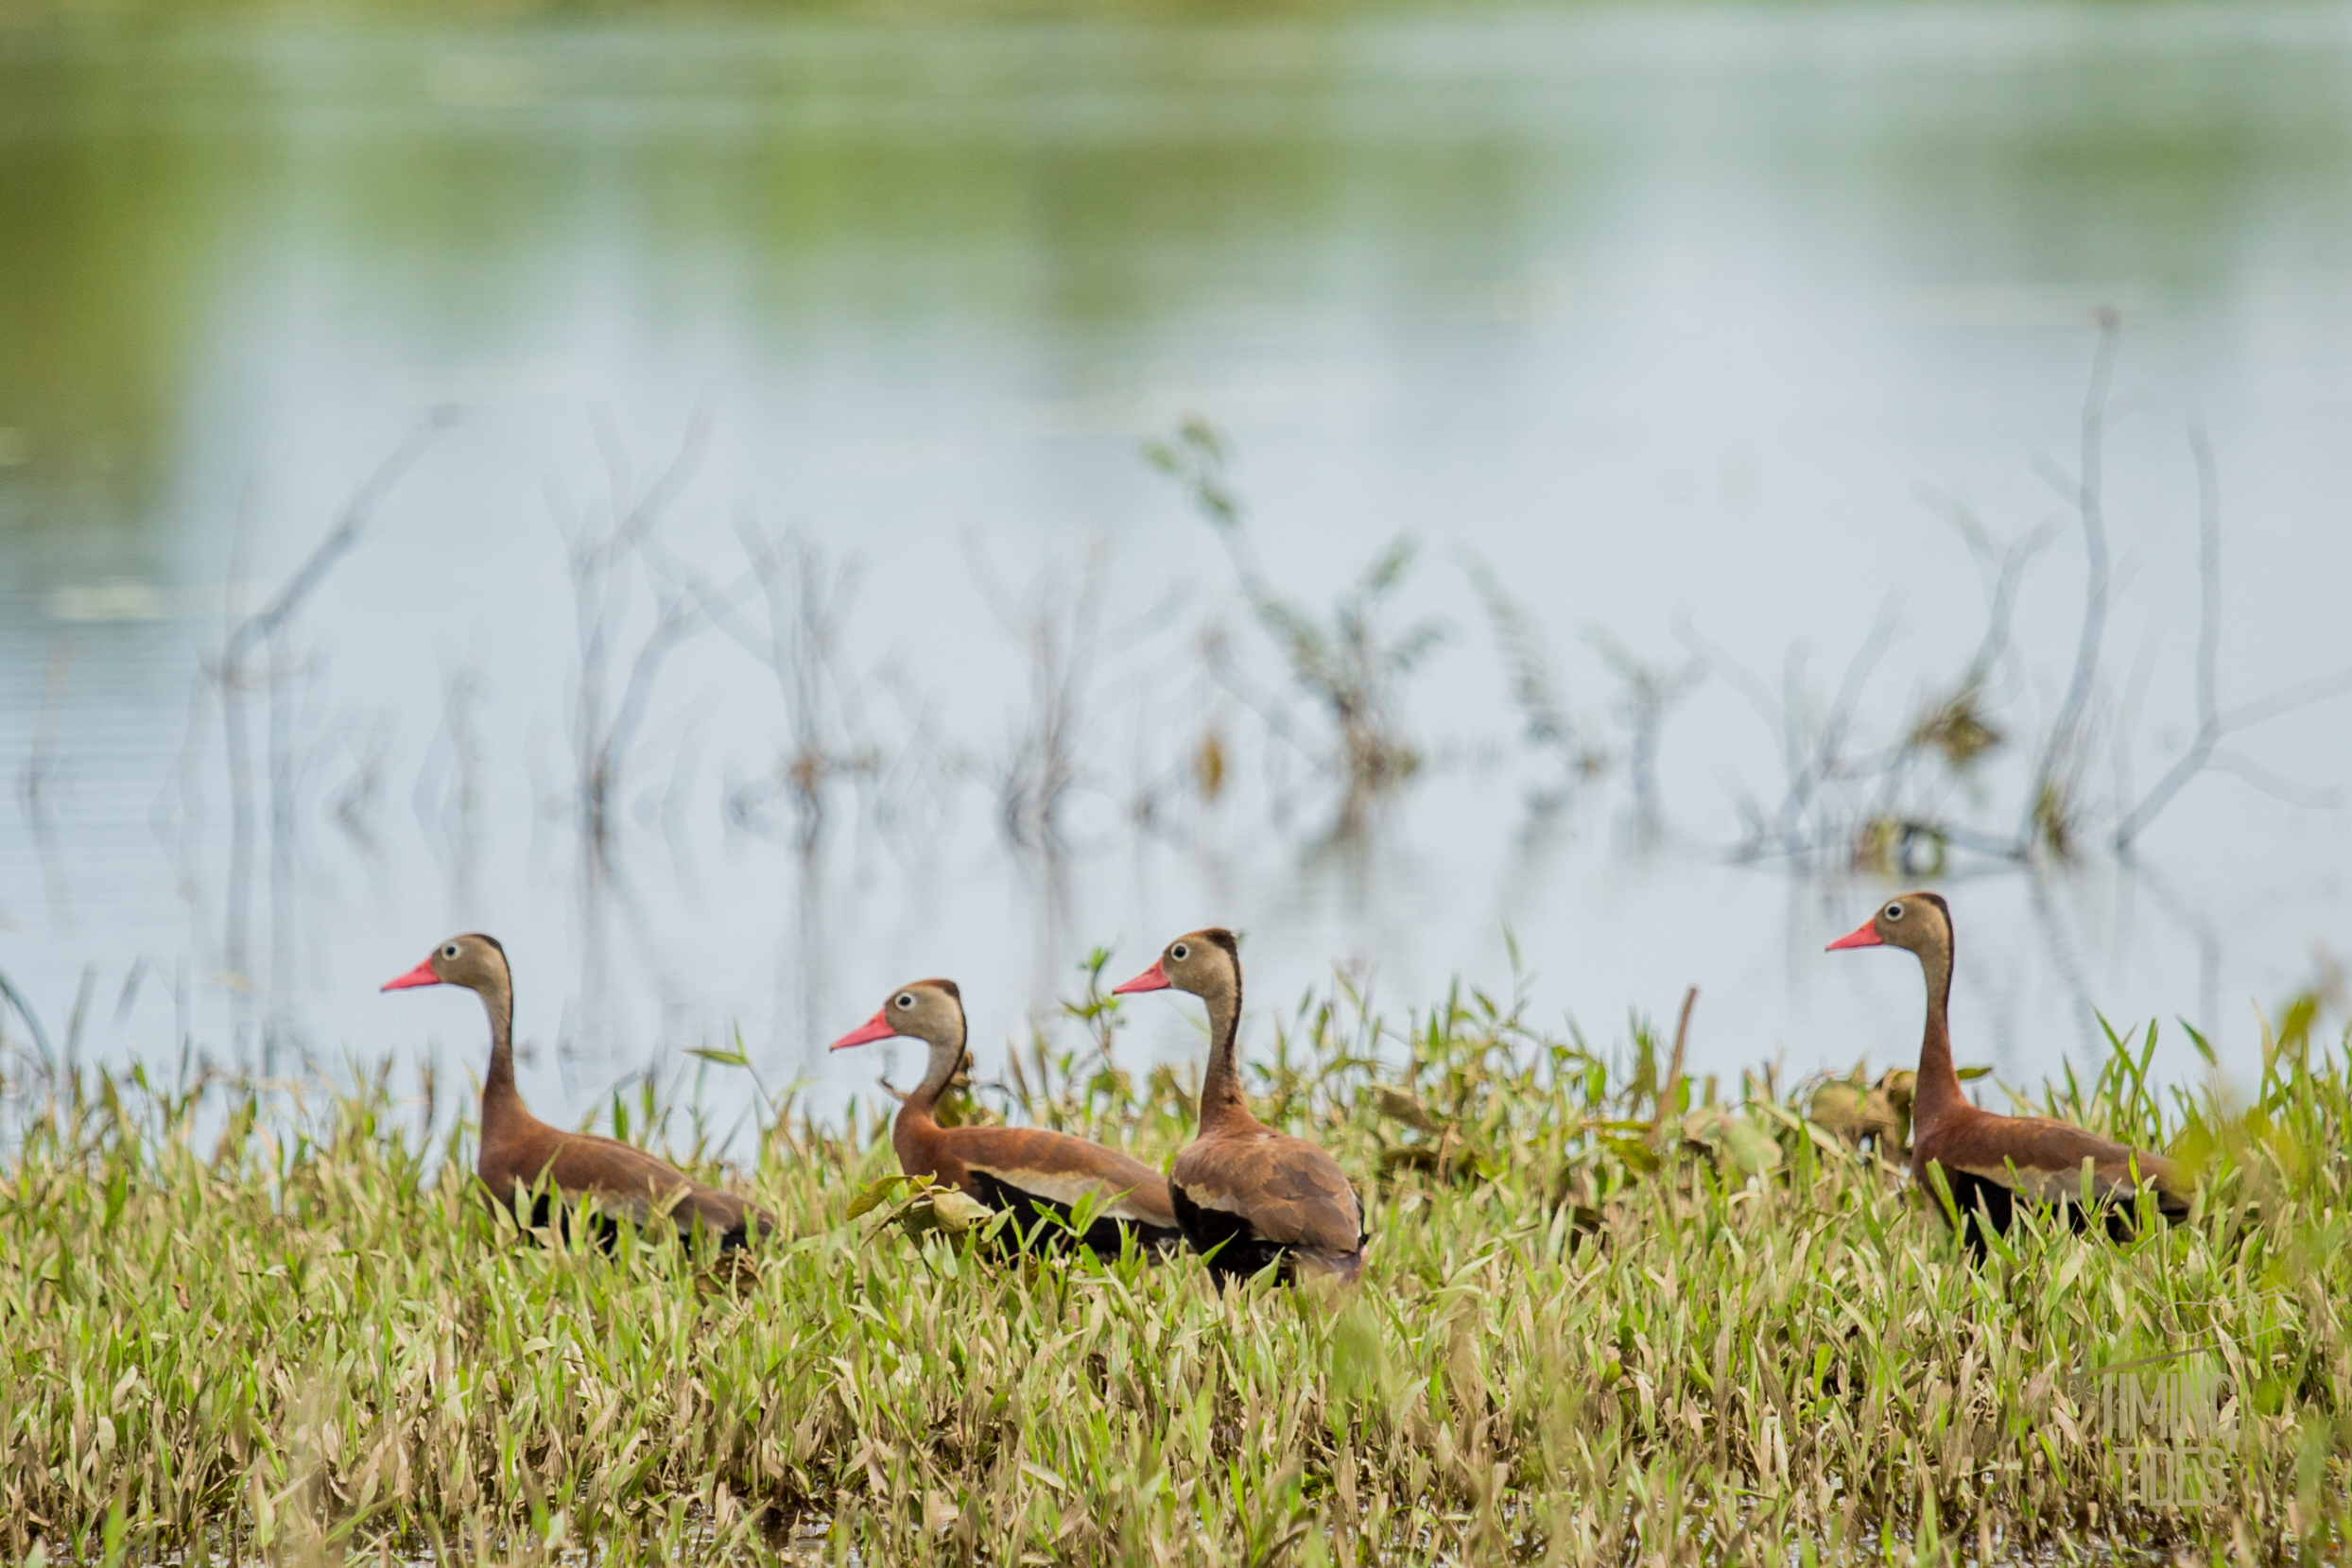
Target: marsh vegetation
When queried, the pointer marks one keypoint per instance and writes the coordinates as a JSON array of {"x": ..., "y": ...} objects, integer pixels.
[{"x": 1619, "y": 1315}]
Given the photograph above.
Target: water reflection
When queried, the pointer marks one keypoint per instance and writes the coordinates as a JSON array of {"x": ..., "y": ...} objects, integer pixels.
[{"x": 1662, "y": 318}]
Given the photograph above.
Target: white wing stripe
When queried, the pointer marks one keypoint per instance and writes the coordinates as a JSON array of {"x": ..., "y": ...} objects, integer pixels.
[{"x": 1062, "y": 1188}]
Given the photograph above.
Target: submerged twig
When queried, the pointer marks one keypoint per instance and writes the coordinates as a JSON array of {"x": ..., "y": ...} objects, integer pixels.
[
  {"x": 233, "y": 675},
  {"x": 2045, "y": 819},
  {"x": 2212, "y": 723}
]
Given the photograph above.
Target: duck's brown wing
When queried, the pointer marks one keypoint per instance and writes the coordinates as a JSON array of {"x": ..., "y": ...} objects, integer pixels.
[
  {"x": 1063, "y": 1170},
  {"x": 626, "y": 1182},
  {"x": 1283, "y": 1190},
  {"x": 2043, "y": 1159}
]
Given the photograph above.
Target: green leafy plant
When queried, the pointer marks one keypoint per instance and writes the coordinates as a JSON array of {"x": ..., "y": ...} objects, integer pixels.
[{"x": 242, "y": 1319}]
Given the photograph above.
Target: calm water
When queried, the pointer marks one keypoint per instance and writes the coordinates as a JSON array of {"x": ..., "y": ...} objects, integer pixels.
[{"x": 1668, "y": 315}]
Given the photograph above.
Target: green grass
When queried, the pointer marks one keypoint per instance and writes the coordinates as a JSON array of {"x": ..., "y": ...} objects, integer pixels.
[{"x": 243, "y": 1323}]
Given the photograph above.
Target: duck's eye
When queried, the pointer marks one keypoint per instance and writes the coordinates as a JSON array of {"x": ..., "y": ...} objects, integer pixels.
[
  {"x": 450, "y": 952},
  {"x": 907, "y": 999},
  {"x": 1895, "y": 911},
  {"x": 1180, "y": 951}
]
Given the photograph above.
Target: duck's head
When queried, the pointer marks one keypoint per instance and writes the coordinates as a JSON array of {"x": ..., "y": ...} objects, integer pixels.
[
  {"x": 1921, "y": 922},
  {"x": 473, "y": 960},
  {"x": 928, "y": 1011},
  {"x": 1206, "y": 962}
]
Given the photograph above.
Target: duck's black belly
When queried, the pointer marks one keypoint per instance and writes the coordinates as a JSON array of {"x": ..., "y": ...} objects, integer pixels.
[
  {"x": 567, "y": 1214},
  {"x": 568, "y": 1219},
  {"x": 1105, "y": 1237},
  {"x": 1983, "y": 1202},
  {"x": 1978, "y": 1203},
  {"x": 1234, "y": 1249}
]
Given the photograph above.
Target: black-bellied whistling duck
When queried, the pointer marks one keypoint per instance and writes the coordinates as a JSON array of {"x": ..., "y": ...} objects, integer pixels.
[
  {"x": 1016, "y": 1169},
  {"x": 1246, "y": 1194},
  {"x": 1991, "y": 1162},
  {"x": 518, "y": 1149}
]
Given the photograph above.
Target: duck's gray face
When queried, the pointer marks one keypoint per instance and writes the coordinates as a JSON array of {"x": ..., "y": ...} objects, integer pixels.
[
  {"x": 928, "y": 1011},
  {"x": 1201, "y": 962},
  {"x": 473, "y": 960},
  {"x": 1918, "y": 923}
]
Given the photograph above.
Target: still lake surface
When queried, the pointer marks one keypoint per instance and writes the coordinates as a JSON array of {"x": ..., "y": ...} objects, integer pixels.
[{"x": 1669, "y": 315}]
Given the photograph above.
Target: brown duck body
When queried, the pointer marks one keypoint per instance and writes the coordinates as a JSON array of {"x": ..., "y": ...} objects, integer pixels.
[
  {"x": 1017, "y": 1170},
  {"x": 518, "y": 1149},
  {"x": 520, "y": 1152},
  {"x": 1248, "y": 1196},
  {"x": 1022, "y": 1169},
  {"x": 1991, "y": 1162}
]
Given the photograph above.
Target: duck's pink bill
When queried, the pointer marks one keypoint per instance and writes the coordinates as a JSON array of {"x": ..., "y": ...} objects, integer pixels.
[
  {"x": 1154, "y": 978},
  {"x": 1865, "y": 934},
  {"x": 421, "y": 975},
  {"x": 876, "y": 1027}
]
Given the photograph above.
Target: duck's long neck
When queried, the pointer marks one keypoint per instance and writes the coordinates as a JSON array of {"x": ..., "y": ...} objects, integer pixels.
[
  {"x": 1221, "y": 1099},
  {"x": 1939, "y": 1091},
  {"x": 917, "y": 1121},
  {"x": 501, "y": 1100}
]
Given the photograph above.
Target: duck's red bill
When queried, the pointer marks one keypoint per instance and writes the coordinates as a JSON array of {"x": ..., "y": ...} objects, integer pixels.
[
  {"x": 876, "y": 1027},
  {"x": 1865, "y": 935},
  {"x": 421, "y": 975},
  {"x": 1154, "y": 978}
]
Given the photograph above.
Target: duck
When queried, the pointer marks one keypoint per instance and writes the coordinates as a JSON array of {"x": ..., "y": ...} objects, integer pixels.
[
  {"x": 1248, "y": 1198},
  {"x": 519, "y": 1150},
  {"x": 1019, "y": 1170},
  {"x": 1990, "y": 1163}
]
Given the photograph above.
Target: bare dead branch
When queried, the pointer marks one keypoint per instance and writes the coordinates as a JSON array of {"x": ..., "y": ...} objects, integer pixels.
[
  {"x": 2277, "y": 785},
  {"x": 2212, "y": 723},
  {"x": 350, "y": 527},
  {"x": 1824, "y": 759},
  {"x": 2193, "y": 760},
  {"x": 1059, "y": 634},
  {"x": 235, "y": 677},
  {"x": 1545, "y": 724},
  {"x": 2086, "y": 495},
  {"x": 1741, "y": 680},
  {"x": 2301, "y": 694},
  {"x": 1648, "y": 695},
  {"x": 605, "y": 723}
]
